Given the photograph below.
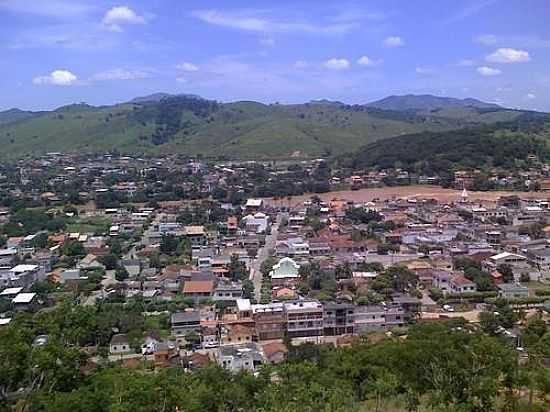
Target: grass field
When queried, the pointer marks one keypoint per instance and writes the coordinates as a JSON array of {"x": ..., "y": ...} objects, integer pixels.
[
  {"x": 90, "y": 225},
  {"x": 238, "y": 130}
]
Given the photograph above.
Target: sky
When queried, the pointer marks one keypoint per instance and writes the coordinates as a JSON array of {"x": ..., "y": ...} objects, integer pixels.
[{"x": 57, "y": 52}]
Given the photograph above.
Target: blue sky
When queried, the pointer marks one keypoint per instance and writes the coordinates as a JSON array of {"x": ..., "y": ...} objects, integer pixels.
[{"x": 56, "y": 52}]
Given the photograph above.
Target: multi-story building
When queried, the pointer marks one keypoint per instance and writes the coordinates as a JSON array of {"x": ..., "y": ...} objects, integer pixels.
[
  {"x": 304, "y": 318},
  {"x": 21, "y": 276},
  {"x": 185, "y": 322},
  {"x": 228, "y": 291},
  {"x": 270, "y": 321},
  {"x": 378, "y": 317},
  {"x": 338, "y": 318}
]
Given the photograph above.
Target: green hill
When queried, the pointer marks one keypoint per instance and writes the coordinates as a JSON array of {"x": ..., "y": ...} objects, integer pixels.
[
  {"x": 247, "y": 130},
  {"x": 503, "y": 144},
  {"x": 428, "y": 102}
]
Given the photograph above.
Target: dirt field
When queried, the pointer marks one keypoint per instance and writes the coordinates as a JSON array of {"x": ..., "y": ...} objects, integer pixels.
[{"x": 418, "y": 192}]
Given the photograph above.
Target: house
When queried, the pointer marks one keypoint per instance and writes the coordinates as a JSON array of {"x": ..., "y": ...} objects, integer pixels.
[
  {"x": 270, "y": 321},
  {"x": 282, "y": 293},
  {"x": 90, "y": 262},
  {"x": 198, "y": 289},
  {"x": 235, "y": 358},
  {"x": 460, "y": 284},
  {"x": 275, "y": 352},
  {"x": 512, "y": 291},
  {"x": 24, "y": 302},
  {"x": 132, "y": 266},
  {"x": 236, "y": 334},
  {"x": 166, "y": 354},
  {"x": 119, "y": 344},
  {"x": 10, "y": 293},
  {"x": 503, "y": 258},
  {"x": 244, "y": 309},
  {"x": 21, "y": 276},
  {"x": 228, "y": 291},
  {"x": 338, "y": 318},
  {"x": 369, "y": 318},
  {"x": 196, "y": 235},
  {"x": 185, "y": 322},
  {"x": 71, "y": 275},
  {"x": 411, "y": 305},
  {"x": 284, "y": 271},
  {"x": 442, "y": 280},
  {"x": 256, "y": 223},
  {"x": 304, "y": 318},
  {"x": 253, "y": 205},
  {"x": 210, "y": 337},
  {"x": 196, "y": 361}
]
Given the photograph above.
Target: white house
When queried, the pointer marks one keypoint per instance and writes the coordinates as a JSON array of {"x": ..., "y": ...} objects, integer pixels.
[
  {"x": 119, "y": 344},
  {"x": 256, "y": 223},
  {"x": 285, "y": 269}
]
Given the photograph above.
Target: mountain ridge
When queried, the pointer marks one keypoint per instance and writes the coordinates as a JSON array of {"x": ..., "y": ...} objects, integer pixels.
[
  {"x": 428, "y": 102},
  {"x": 191, "y": 125}
]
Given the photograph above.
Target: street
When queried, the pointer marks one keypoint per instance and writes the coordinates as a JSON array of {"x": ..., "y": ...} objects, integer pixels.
[{"x": 263, "y": 254}]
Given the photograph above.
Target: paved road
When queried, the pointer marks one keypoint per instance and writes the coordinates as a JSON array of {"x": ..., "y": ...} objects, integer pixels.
[{"x": 263, "y": 254}]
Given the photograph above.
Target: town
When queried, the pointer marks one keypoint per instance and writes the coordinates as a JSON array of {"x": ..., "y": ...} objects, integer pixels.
[{"x": 220, "y": 274}]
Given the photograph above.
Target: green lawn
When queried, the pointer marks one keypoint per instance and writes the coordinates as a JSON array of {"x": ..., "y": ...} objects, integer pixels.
[{"x": 90, "y": 225}]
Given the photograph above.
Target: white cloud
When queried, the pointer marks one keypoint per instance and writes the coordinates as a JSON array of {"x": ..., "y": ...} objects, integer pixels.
[
  {"x": 424, "y": 71},
  {"x": 58, "y": 78},
  {"x": 393, "y": 41},
  {"x": 517, "y": 41},
  {"x": 181, "y": 79},
  {"x": 466, "y": 63},
  {"x": 488, "y": 71},
  {"x": 300, "y": 64},
  {"x": 188, "y": 67},
  {"x": 508, "y": 55},
  {"x": 118, "y": 16},
  {"x": 486, "y": 39},
  {"x": 267, "y": 41},
  {"x": 367, "y": 61},
  {"x": 257, "y": 22},
  {"x": 120, "y": 74},
  {"x": 47, "y": 8},
  {"x": 337, "y": 64},
  {"x": 469, "y": 10},
  {"x": 530, "y": 96}
]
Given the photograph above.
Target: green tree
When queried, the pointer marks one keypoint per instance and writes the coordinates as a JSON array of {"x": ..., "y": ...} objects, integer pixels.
[
  {"x": 507, "y": 272},
  {"x": 110, "y": 261}
]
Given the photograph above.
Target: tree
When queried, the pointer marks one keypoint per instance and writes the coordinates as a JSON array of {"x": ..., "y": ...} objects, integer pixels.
[
  {"x": 169, "y": 244},
  {"x": 3, "y": 241},
  {"x": 534, "y": 230},
  {"x": 248, "y": 289},
  {"x": 465, "y": 262},
  {"x": 267, "y": 266},
  {"x": 121, "y": 274},
  {"x": 237, "y": 270},
  {"x": 40, "y": 241},
  {"x": 74, "y": 249},
  {"x": 110, "y": 261},
  {"x": 507, "y": 272}
]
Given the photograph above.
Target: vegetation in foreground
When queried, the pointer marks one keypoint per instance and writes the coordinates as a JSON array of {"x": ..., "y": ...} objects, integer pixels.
[{"x": 441, "y": 367}]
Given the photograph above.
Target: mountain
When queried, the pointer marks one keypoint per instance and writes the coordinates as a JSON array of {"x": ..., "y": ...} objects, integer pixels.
[
  {"x": 157, "y": 97},
  {"x": 15, "y": 115},
  {"x": 427, "y": 102},
  {"x": 192, "y": 125},
  {"x": 505, "y": 144}
]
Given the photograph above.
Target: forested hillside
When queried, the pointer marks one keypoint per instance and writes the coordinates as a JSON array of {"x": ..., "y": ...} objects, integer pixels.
[
  {"x": 245, "y": 130},
  {"x": 446, "y": 367},
  {"x": 505, "y": 144}
]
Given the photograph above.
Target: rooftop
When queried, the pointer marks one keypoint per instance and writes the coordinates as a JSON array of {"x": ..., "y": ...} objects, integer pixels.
[{"x": 24, "y": 298}]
